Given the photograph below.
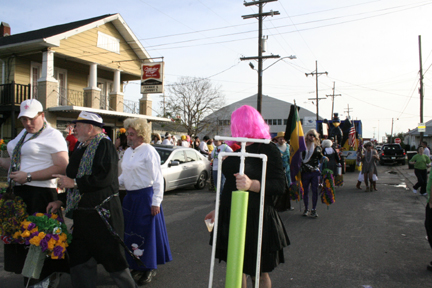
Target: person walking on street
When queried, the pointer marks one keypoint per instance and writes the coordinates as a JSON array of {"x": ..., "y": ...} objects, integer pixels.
[
  {"x": 220, "y": 147},
  {"x": 97, "y": 237},
  {"x": 369, "y": 158},
  {"x": 145, "y": 230},
  {"x": 38, "y": 152},
  {"x": 310, "y": 172},
  {"x": 284, "y": 148},
  {"x": 420, "y": 162},
  {"x": 247, "y": 122}
]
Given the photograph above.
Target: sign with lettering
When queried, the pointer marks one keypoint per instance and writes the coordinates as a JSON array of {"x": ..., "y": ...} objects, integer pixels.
[
  {"x": 152, "y": 78},
  {"x": 421, "y": 127}
]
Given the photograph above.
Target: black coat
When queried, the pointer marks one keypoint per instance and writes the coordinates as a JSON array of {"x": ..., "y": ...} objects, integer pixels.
[{"x": 91, "y": 237}]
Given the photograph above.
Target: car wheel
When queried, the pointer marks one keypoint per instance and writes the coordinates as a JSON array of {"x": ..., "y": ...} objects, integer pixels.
[{"x": 201, "y": 182}]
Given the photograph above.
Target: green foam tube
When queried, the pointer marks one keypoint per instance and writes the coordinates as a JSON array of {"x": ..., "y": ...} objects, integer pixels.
[{"x": 236, "y": 239}]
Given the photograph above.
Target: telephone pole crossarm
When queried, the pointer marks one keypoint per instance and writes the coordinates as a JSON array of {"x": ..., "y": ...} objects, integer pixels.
[
  {"x": 316, "y": 74},
  {"x": 258, "y": 57}
]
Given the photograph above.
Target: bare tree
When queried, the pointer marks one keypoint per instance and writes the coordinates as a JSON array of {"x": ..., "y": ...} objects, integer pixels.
[{"x": 190, "y": 100}]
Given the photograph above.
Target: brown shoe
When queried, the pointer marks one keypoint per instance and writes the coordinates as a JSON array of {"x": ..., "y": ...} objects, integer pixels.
[
  {"x": 358, "y": 185},
  {"x": 374, "y": 186}
]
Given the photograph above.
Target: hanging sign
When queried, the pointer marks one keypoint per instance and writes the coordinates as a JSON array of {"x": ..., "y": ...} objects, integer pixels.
[
  {"x": 421, "y": 127},
  {"x": 152, "y": 78}
]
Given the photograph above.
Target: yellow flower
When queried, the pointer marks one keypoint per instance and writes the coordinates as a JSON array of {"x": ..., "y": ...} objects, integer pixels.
[
  {"x": 25, "y": 224},
  {"x": 35, "y": 241},
  {"x": 51, "y": 244},
  {"x": 16, "y": 235},
  {"x": 26, "y": 233},
  {"x": 39, "y": 214},
  {"x": 34, "y": 230},
  {"x": 54, "y": 216},
  {"x": 63, "y": 237},
  {"x": 122, "y": 130},
  {"x": 41, "y": 235},
  {"x": 1, "y": 141}
]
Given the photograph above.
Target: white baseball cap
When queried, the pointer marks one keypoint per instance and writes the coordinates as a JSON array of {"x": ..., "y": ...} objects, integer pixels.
[
  {"x": 30, "y": 108},
  {"x": 89, "y": 118}
]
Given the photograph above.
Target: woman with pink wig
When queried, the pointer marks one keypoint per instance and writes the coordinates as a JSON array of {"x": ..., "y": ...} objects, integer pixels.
[{"x": 247, "y": 122}]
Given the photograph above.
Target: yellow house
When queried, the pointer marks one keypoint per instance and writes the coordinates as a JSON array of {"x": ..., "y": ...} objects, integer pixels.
[{"x": 69, "y": 68}]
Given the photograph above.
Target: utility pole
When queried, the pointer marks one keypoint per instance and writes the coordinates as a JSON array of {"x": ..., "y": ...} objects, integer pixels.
[
  {"x": 163, "y": 103},
  {"x": 421, "y": 87},
  {"x": 260, "y": 16},
  {"x": 391, "y": 135},
  {"x": 316, "y": 73},
  {"x": 348, "y": 110},
  {"x": 333, "y": 96}
]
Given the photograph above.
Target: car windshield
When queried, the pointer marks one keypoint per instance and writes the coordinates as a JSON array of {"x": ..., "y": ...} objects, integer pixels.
[{"x": 164, "y": 154}]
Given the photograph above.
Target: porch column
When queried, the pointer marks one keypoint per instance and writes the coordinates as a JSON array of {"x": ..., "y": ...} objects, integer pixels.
[
  {"x": 146, "y": 105},
  {"x": 116, "y": 97},
  {"x": 47, "y": 86},
  {"x": 92, "y": 93}
]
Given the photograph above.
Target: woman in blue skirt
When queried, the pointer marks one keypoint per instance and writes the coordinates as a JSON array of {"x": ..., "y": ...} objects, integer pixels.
[{"x": 145, "y": 231}]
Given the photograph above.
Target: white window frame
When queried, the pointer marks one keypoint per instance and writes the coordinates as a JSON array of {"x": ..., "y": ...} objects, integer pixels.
[
  {"x": 57, "y": 71},
  {"x": 107, "y": 84},
  {"x": 108, "y": 42},
  {"x": 34, "y": 86}
]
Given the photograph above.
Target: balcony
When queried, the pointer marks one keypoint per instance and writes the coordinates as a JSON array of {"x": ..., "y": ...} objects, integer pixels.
[
  {"x": 13, "y": 94},
  {"x": 69, "y": 97}
]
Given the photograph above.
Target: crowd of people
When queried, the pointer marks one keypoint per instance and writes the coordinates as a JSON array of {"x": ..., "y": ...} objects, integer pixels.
[{"x": 91, "y": 167}]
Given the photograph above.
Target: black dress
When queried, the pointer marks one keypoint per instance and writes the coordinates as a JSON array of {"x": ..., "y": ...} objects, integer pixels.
[
  {"x": 274, "y": 235},
  {"x": 91, "y": 237}
]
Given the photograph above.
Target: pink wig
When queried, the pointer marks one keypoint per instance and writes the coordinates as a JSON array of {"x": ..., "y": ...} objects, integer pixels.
[
  {"x": 247, "y": 122},
  {"x": 188, "y": 138}
]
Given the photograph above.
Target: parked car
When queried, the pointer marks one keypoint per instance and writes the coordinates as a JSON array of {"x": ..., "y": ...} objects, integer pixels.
[
  {"x": 392, "y": 153},
  {"x": 182, "y": 167}
]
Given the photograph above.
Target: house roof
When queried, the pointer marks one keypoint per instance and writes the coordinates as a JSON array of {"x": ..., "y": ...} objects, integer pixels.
[
  {"x": 51, "y": 36},
  {"x": 414, "y": 132}
]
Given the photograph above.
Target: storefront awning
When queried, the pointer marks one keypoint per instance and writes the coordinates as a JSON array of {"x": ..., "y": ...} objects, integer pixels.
[{"x": 119, "y": 115}]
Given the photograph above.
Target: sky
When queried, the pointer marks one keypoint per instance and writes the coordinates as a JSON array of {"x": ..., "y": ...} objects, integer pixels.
[{"x": 370, "y": 50}]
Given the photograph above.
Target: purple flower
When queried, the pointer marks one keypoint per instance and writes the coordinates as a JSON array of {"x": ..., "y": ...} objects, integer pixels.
[
  {"x": 58, "y": 251},
  {"x": 31, "y": 226},
  {"x": 55, "y": 237},
  {"x": 43, "y": 244}
]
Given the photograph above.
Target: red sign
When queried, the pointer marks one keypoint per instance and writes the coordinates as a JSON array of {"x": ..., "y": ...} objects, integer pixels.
[
  {"x": 151, "y": 71},
  {"x": 152, "y": 77},
  {"x": 397, "y": 140}
]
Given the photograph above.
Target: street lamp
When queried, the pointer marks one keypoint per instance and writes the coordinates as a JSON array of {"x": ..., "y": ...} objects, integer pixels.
[{"x": 290, "y": 57}]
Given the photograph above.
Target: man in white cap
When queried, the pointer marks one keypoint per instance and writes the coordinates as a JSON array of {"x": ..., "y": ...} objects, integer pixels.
[
  {"x": 38, "y": 152},
  {"x": 91, "y": 177}
]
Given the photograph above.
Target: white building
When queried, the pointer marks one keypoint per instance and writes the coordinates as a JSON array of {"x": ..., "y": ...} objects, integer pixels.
[
  {"x": 412, "y": 138},
  {"x": 275, "y": 113}
]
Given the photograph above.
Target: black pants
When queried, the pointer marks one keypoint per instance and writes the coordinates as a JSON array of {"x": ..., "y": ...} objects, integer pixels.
[
  {"x": 428, "y": 223},
  {"x": 421, "y": 180}
]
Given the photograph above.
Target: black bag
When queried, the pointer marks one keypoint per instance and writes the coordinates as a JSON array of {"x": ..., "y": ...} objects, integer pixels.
[
  {"x": 306, "y": 168},
  {"x": 283, "y": 201}
]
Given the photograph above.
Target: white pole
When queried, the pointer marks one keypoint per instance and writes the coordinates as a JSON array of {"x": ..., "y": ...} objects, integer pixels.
[{"x": 243, "y": 155}]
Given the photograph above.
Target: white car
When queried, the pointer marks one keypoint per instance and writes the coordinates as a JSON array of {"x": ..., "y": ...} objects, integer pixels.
[{"x": 182, "y": 166}]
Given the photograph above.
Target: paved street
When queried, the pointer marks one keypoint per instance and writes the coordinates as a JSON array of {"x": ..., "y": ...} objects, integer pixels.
[{"x": 365, "y": 239}]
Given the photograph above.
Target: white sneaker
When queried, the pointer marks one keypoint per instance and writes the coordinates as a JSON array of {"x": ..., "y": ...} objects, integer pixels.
[{"x": 414, "y": 191}]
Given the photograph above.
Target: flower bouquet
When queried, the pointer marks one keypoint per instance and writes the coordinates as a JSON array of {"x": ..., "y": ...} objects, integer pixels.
[
  {"x": 296, "y": 190},
  {"x": 47, "y": 235},
  {"x": 327, "y": 191},
  {"x": 12, "y": 213}
]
